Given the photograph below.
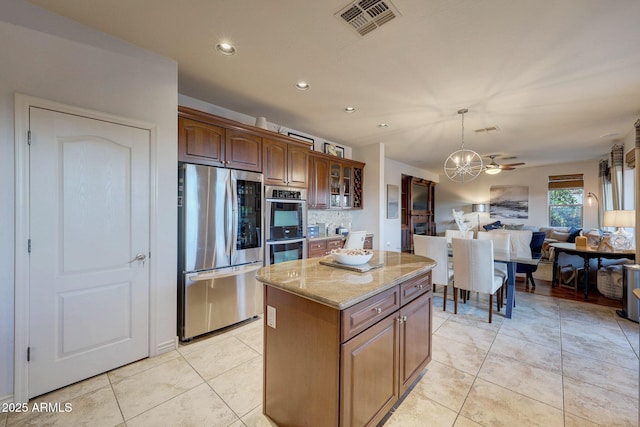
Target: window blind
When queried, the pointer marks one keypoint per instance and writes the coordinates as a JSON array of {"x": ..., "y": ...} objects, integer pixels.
[{"x": 566, "y": 181}]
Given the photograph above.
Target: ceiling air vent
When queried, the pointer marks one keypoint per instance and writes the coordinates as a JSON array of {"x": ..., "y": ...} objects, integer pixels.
[{"x": 365, "y": 16}]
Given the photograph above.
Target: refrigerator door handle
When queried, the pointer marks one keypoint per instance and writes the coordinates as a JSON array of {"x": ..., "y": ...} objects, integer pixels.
[
  {"x": 228, "y": 220},
  {"x": 234, "y": 215},
  {"x": 226, "y": 272}
]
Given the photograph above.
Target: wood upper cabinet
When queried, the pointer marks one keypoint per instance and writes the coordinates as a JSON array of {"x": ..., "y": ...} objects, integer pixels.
[
  {"x": 200, "y": 142},
  {"x": 318, "y": 182},
  {"x": 335, "y": 183},
  {"x": 285, "y": 164},
  {"x": 215, "y": 141},
  {"x": 243, "y": 151}
]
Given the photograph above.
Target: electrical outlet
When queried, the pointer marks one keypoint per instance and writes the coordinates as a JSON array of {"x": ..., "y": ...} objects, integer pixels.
[
  {"x": 388, "y": 244},
  {"x": 271, "y": 316}
]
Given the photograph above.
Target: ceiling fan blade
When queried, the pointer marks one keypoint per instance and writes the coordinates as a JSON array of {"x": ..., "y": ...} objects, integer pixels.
[
  {"x": 508, "y": 165},
  {"x": 507, "y": 168}
]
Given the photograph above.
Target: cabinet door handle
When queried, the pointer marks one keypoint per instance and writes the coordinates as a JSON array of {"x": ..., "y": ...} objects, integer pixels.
[{"x": 378, "y": 310}]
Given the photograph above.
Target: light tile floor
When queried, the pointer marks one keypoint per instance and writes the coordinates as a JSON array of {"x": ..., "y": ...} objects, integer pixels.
[{"x": 556, "y": 363}]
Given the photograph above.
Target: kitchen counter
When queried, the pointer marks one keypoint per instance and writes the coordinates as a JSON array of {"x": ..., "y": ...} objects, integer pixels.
[
  {"x": 328, "y": 237},
  {"x": 333, "y": 236},
  {"x": 340, "y": 288}
]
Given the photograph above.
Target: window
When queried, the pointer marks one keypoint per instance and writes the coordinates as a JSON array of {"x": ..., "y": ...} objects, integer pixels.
[{"x": 566, "y": 195}]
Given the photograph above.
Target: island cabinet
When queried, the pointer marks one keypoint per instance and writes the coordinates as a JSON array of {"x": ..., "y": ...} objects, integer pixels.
[
  {"x": 285, "y": 164},
  {"x": 331, "y": 366}
]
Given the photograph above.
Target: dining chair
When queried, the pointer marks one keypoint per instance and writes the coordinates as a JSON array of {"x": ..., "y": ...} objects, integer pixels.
[
  {"x": 355, "y": 240},
  {"x": 457, "y": 234},
  {"x": 474, "y": 270},
  {"x": 501, "y": 242},
  {"x": 435, "y": 248},
  {"x": 537, "y": 240}
]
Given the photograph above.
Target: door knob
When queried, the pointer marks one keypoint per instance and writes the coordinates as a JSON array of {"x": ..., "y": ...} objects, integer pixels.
[{"x": 139, "y": 257}]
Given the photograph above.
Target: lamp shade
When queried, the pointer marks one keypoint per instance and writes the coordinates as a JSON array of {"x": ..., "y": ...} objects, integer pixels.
[
  {"x": 479, "y": 207},
  {"x": 619, "y": 218}
]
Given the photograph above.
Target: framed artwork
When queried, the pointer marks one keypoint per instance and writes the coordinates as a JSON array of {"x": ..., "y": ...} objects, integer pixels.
[
  {"x": 303, "y": 138},
  {"x": 509, "y": 201},
  {"x": 334, "y": 150},
  {"x": 393, "y": 197}
]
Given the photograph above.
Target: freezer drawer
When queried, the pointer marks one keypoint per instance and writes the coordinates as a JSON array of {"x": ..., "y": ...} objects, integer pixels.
[{"x": 214, "y": 299}]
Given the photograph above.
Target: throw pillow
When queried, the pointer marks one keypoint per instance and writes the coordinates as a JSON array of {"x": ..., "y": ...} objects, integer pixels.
[
  {"x": 560, "y": 236},
  {"x": 513, "y": 226},
  {"x": 573, "y": 233},
  {"x": 492, "y": 226}
]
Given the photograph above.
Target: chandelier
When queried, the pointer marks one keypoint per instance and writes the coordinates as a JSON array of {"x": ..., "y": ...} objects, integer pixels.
[{"x": 463, "y": 165}]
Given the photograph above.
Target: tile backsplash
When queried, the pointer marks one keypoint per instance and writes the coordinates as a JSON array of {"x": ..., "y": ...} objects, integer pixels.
[{"x": 332, "y": 218}]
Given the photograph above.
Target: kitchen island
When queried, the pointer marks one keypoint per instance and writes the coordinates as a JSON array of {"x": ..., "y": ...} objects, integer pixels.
[{"x": 342, "y": 347}]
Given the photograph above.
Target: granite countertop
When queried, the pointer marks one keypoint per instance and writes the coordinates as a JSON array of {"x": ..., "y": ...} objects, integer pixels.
[
  {"x": 332, "y": 236},
  {"x": 340, "y": 288}
]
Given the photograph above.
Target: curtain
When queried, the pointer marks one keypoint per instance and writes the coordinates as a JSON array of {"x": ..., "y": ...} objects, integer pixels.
[
  {"x": 606, "y": 201},
  {"x": 617, "y": 160}
]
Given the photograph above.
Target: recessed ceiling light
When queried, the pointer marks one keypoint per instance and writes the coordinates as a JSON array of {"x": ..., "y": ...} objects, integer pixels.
[
  {"x": 349, "y": 109},
  {"x": 302, "y": 85},
  {"x": 226, "y": 49},
  {"x": 383, "y": 125}
]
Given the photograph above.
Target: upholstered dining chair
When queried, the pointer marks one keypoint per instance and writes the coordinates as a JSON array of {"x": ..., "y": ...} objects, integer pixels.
[
  {"x": 473, "y": 270},
  {"x": 501, "y": 242},
  {"x": 436, "y": 249},
  {"x": 537, "y": 240},
  {"x": 457, "y": 234},
  {"x": 355, "y": 240}
]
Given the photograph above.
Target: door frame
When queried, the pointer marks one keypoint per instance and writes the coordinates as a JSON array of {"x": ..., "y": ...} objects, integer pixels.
[{"x": 22, "y": 104}]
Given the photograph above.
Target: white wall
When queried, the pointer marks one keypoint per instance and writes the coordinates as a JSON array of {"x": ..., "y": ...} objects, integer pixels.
[
  {"x": 451, "y": 195},
  {"x": 393, "y": 172},
  {"x": 47, "y": 56},
  {"x": 371, "y": 217}
]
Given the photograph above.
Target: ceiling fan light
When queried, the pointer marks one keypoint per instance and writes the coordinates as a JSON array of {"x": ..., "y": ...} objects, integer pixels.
[{"x": 493, "y": 171}]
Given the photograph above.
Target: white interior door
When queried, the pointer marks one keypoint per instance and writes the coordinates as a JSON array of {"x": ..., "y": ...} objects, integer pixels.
[{"x": 89, "y": 220}]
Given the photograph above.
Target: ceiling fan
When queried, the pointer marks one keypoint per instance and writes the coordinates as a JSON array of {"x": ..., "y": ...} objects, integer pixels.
[{"x": 493, "y": 167}]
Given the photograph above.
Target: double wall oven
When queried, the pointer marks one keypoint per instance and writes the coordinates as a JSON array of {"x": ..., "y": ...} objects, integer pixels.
[{"x": 285, "y": 217}]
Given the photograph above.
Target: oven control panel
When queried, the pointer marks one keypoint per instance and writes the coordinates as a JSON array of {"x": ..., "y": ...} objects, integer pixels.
[{"x": 281, "y": 193}]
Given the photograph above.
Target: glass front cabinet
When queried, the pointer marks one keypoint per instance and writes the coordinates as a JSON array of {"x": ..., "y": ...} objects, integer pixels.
[{"x": 345, "y": 184}]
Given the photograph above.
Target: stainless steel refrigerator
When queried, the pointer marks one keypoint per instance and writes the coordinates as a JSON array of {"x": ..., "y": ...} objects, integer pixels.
[{"x": 220, "y": 248}]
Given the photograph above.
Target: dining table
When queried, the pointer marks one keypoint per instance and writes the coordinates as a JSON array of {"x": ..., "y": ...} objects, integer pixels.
[
  {"x": 586, "y": 253},
  {"x": 511, "y": 259}
]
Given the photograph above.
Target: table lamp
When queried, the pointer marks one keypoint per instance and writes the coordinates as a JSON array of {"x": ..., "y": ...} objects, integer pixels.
[
  {"x": 479, "y": 208},
  {"x": 620, "y": 239}
]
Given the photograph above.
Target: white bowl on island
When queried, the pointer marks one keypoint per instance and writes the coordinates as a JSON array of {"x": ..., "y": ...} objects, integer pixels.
[{"x": 351, "y": 256}]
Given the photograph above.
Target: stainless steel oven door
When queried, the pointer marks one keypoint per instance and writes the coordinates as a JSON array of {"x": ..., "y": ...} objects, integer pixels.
[
  {"x": 286, "y": 250},
  {"x": 285, "y": 219}
]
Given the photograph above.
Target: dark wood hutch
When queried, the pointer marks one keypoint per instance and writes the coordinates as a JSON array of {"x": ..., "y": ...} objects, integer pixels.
[{"x": 417, "y": 209}]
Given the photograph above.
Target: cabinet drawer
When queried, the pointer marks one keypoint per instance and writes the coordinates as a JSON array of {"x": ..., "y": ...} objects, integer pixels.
[
  {"x": 334, "y": 244},
  {"x": 366, "y": 313},
  {"x": 412, "y": 289},
  {"x": 316, "y": 248}
]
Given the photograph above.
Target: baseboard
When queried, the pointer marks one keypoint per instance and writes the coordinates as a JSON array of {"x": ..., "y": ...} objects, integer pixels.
[
  {"x": 168, "y": 345},
  {"x": 6, "y": 399}
]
